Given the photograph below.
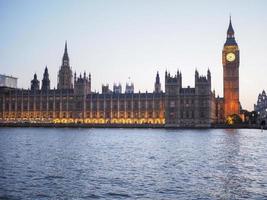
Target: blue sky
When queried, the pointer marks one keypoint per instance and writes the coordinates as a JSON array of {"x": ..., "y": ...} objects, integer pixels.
[{"x": 115, "y": 40}]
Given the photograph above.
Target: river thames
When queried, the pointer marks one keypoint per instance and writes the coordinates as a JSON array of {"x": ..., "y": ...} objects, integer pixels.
[{"x": 50, "y": 163}]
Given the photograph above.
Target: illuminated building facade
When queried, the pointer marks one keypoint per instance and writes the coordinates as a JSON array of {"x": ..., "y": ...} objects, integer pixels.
[
  {"x": 67, "y": 104},
  {"x": 230, "y": 60},
  {"x": 77, "y": 104},
  {"x": 74, "y": 102}
]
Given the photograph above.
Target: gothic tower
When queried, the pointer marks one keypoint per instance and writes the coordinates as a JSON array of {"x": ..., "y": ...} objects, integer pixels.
[
  {"x": 173, "y": 85},
  {"x": 65, "y": 74},
  {"x": 157, "y": 86},
  {"x": 35, "y": 83},
  {"x": 45, "y": 81},
  {"x": 230, "y": 60}
]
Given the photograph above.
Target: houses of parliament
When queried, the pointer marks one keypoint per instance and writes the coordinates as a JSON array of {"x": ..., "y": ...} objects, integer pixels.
[{"x": 74, "y": 102}]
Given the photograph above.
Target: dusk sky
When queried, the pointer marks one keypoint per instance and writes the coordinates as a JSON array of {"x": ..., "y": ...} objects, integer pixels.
[{"x": 114, "y": 40}]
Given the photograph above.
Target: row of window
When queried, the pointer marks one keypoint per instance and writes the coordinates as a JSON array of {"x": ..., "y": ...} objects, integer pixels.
[
  {"x": 186, "y": 114},
  {"x": 80, "y": 115},
  {"x": 189, "y": 102},
  {"x": 78, "y": 106}
]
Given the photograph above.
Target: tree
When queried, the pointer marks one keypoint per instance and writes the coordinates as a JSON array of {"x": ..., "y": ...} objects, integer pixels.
[{"x": 233, "y": 119}]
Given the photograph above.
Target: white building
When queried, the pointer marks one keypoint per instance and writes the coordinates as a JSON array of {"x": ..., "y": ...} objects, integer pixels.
[{"x": 8, "y": 81}]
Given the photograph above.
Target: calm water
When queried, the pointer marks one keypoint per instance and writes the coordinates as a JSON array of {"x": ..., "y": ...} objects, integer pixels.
[{"x": 39, "y": 163}]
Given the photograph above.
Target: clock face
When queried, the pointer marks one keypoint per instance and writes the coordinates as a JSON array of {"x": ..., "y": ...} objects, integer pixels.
[{"x": 230, "y": 57}]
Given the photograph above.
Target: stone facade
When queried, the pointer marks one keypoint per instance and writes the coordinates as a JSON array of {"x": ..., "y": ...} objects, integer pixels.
[
  {"x": 82, "y": 85},
  {"x": 189, "y": 107},
  {"x": 65, "y": 106},
  {"x": 220, "y": 110},
  {"x": 178, "y": 107}
]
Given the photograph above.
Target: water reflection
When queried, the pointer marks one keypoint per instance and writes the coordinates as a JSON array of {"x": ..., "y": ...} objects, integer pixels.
[{"x": 132, "y": 164}]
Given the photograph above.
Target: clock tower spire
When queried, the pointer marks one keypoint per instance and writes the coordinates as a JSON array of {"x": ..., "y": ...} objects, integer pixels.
[
  {"x": 230, "y": 60},
  {"x": 230, "y": 40}
]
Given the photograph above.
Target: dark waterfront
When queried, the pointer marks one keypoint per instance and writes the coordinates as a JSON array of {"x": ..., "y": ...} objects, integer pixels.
[{"x": 49, "y": 163}]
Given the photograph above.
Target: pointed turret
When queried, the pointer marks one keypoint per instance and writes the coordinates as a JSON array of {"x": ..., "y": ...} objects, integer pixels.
[
  {"x": 157, "y": 78},
  {"x": 209, "y": 75},
  {"x": 196, "y": 74},
  {"x": 65, "y": 59},
  {"x": 75, "y": 77},
  {"x": 157, "y": 85},
  {"x": 45, "y": 81}
]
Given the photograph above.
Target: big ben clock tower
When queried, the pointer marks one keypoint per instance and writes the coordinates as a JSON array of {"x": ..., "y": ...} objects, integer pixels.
[{"x": 230, "y": 60}]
